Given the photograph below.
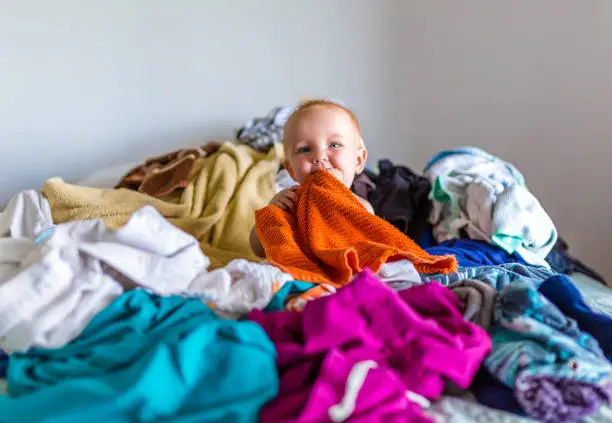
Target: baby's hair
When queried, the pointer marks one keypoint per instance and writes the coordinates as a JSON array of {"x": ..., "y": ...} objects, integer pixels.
[{"x": 305, "y": 105}]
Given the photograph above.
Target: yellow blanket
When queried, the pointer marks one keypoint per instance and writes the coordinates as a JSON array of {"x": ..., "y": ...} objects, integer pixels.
[{"x": 217, "y": 207}]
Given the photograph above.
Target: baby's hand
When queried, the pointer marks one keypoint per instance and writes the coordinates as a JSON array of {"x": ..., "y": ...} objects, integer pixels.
[{"x": 285, "y": 199}]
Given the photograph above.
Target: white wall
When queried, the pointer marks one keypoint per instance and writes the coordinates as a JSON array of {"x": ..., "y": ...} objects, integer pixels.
[
  {"x": 530, "y": 81},
  {"x": 90, "y": 83}
]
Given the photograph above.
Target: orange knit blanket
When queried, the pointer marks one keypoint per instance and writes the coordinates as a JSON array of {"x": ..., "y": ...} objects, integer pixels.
[{"x": 331, "y": 236}]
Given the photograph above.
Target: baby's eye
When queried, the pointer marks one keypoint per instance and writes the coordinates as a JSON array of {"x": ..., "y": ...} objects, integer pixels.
[
  {"x": 303, "y": 150},
  {"x": 335, "y": 145}
]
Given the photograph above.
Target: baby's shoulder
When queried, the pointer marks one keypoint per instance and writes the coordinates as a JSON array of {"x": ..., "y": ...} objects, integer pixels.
[{"x": 365, "y": 203}]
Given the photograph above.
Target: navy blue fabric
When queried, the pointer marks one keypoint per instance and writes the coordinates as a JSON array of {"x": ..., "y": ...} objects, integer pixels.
[
  {"x": 561, "y": 261},
  {"x": 475, "y": 253},
  {"x": 3, "y": 364},
  {"x": 561, "y": 291},
  {"x": 492, "y": 393},
  {"x": 427, "y": 240}
]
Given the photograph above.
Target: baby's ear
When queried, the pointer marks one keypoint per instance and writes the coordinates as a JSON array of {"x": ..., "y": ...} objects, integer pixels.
[{"x": 362, "y": 157}]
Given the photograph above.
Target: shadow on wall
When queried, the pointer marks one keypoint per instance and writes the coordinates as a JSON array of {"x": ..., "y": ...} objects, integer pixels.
[{"x": 96, "y": 155}]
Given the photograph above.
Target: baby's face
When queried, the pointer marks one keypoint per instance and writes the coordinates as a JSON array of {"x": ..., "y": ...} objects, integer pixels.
[{"x": 324, "y": 137}]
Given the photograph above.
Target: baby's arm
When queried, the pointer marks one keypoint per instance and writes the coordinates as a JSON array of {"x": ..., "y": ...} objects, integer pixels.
[
  {"x": 255, "y": 244},
  {"x": 286, "y": 201}
]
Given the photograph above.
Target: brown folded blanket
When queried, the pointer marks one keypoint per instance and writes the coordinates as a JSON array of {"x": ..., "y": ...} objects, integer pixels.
[{"x": 162, "y": 175}]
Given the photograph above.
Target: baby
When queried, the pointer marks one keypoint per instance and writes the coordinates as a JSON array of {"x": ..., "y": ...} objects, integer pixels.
[{"x": 319, "y": 134}]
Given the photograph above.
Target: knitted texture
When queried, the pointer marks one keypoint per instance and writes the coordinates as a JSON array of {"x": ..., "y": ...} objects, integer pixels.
[{"x": 331, "y": 236}]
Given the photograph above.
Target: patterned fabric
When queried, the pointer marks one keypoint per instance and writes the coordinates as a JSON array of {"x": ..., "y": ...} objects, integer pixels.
[
  {"x": 563, "y": 293},
  {"x": 263, "y": 132},
  {"x": 482, "y": 197},
  {"x": 559, "y": 373},
  {"x": 497, "y": 276}
]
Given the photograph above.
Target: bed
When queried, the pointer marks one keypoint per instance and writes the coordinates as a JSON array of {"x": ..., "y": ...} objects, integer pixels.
[{"x": 448, "y": 408}]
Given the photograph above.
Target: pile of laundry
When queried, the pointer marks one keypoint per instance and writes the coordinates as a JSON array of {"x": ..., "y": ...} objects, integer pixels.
[{"x": 144, "y": 302}]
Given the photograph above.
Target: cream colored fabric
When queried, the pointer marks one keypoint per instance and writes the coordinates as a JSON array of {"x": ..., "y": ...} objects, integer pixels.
[{"x": 217, "y": 207}]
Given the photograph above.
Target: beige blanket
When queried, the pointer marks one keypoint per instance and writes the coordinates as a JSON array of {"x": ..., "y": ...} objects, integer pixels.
[{"x": 217, "y": 206}]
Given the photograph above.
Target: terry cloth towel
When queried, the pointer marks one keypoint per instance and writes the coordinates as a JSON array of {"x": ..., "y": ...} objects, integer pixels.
[
  {"x": 161, "y": 175},
  {"x": 147, "y": 359},
  {"x": 217, "y": 206},
  {"x": 331, "y": 236}
]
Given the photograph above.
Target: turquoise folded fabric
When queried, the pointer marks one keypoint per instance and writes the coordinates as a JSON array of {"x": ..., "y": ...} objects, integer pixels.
[
  {"x": 279, "y": 300},
  {"x": 143, "y": 359}
]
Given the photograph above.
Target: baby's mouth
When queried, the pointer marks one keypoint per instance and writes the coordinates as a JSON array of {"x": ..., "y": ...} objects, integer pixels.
[
  {"x": 321, "y": 166},
  {"x": 329, "y": 168}
]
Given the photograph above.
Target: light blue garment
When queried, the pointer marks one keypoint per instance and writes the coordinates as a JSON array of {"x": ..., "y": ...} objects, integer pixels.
[
  {"x": 147, "y": 359},
  {"x": 558, "y": 372},
  {"x": 475, "y": 151},
  {"x": 497, "y": 276},
  {"x": 480, "y": 196}
]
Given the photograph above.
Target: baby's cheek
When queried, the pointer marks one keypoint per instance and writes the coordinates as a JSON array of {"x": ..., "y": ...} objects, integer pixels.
[{"x": 337, "y": 174}]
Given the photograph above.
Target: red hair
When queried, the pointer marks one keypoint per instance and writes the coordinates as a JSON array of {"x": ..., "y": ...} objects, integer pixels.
[{"x": 320, "y": 103}]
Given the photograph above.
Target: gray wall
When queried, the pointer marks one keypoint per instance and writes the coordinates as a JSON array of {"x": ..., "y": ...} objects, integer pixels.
[
  {"x": 530, "y": 81},
  {"x": 86, "y": 84}
]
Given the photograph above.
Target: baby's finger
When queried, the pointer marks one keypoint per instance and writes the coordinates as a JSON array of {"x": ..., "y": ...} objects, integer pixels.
[
  {"x": 287, "y": 202},
  {"x": 280, "y": 205}
]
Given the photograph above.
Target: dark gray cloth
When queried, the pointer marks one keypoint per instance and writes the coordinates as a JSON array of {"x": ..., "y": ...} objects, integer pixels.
[
  {"x": 477, "y": 299},
  {"x": 400, "y": 196},
  {"x": 561, "y": 261}
]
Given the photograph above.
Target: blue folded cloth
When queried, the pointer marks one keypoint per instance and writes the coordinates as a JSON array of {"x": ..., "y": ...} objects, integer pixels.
[{"x": 474, "y": 253}]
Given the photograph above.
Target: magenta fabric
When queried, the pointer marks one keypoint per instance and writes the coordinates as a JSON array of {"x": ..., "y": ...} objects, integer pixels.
[{"x": 417, "y": 337}]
